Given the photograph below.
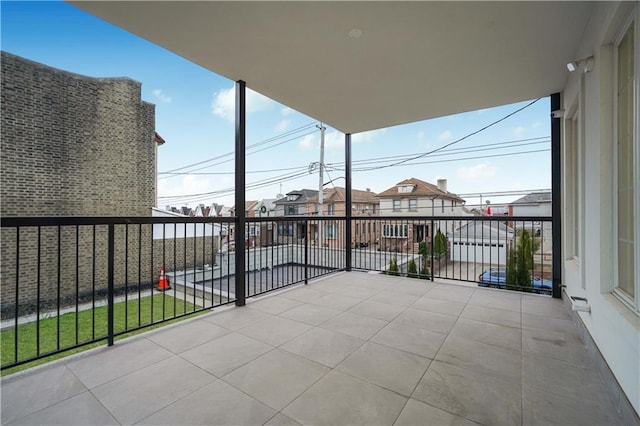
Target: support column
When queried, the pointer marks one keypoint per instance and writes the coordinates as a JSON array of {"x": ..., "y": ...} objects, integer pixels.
[
  {"x": 347, "y": 202},
  {"x": 240, "y": 219},
  {"x": 556, "y": 197}
]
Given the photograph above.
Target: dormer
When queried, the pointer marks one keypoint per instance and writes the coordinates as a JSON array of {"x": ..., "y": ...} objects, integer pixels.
[
  {"x": 293, "y": 197},
  {"x": 406, "y": 189}
]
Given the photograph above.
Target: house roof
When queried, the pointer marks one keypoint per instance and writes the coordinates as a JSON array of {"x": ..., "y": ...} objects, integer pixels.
[
  {"x": 158, "y": 139},
  {"x": 420, "y": 189},
  {"x": 337, "y": 194},
  {"x": 383, "y": 63},
  {"x": 250, "y": 205},
  {"x": 534, "y": 198},
  {"x": 483, "y": 230},
  {"x": 303, "y": 196}
]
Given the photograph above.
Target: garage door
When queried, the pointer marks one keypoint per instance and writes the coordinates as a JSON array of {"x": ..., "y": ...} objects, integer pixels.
[{"x": 476, "y": 252}]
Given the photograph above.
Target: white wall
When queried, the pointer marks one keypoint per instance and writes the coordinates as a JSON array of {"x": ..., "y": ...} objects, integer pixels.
[
  {"x": 614, "y": 326},
  {"x": 181, "y": 230}
]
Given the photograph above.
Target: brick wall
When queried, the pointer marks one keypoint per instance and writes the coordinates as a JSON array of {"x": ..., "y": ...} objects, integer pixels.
[{"x": 73, "y": 145}]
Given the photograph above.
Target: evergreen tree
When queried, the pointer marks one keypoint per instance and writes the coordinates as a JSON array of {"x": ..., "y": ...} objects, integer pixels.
[
  {"x": 440, "y": 244},
  {"x": 412, "y": 269},
  {"x": 393, "y": 267}
]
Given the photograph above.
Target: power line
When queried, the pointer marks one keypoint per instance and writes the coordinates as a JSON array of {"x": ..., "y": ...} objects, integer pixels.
[
  {"x": 263, "y": 142},
  {"x": 460, "y": 139}
]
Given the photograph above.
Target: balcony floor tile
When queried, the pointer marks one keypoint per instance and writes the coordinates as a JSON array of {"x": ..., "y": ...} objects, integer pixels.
[{"x": 349, "y": 348}]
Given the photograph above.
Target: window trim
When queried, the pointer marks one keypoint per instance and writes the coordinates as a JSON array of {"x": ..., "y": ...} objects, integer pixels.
[
  {"x": 632, "y": 302},
  {"x": 399, "y": 208},
  {"x": 415, "y": 207}
]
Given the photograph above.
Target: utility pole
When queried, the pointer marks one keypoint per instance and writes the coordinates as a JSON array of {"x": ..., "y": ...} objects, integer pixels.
[{"x": 321, "y": 182}]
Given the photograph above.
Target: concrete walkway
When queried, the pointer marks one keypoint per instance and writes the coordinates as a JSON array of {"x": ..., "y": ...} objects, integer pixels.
[{"x": 349, "y": 349}]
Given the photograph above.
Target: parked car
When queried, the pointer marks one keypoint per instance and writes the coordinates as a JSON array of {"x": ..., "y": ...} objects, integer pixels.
[{"x": 497, "y": 278}]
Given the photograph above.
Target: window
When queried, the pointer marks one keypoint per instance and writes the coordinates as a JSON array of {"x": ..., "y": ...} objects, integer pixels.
[
  {"x": 405, "y": 189},
  {"x": 357, "y": 228},
  {"x": 285, "y": 229},
  {"x": 291, "y": 210},
  {"x": 574, "y": 182},
  {"x": 395, "y": 231},
  {"x": 452, "y": 205},
  {"x": 396, "y": 205},
  {"x": 627, "y": 174},
  {"x": 442, "y": 202},
  {"x": 413, "y": 205},
  {"x": 331, "y": 231},
  {"x": 331, "y": 209}
]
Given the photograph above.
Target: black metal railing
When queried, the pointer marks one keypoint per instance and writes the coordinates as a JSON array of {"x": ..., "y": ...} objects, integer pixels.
[
  {"x": 513, "y": 253},
  {"x": 74, "y": 281},
  {"x": 71, "y": 282}
]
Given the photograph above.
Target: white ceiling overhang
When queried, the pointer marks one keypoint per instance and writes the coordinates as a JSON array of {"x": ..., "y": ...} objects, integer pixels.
[{"x": 412, "y": 60}]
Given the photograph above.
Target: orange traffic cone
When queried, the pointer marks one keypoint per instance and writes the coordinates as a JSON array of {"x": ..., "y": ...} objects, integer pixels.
[{"x": 163, "y": 282}]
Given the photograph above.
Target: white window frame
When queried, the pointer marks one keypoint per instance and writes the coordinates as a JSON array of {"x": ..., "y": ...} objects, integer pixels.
[
  {"x": 331, "y": 231},
  {"x": 632, "y": 302},
  {"x": 414, "y": 207},
  {"x": 394, "y": 230},
  {"x": 398, "y": 207}
]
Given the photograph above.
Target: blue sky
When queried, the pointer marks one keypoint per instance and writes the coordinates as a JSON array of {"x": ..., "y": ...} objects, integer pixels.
[{"x": 194, "y": 114}]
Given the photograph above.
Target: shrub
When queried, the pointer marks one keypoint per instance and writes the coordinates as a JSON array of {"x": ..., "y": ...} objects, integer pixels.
[
  {"x": 440, "y": 244},
  {"x": 393, "y": 267},
  {"x": 412, "y": 269},
  {"x": 425, "y": 274}
]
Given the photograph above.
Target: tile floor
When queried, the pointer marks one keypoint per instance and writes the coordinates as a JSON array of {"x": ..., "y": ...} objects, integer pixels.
[{"x": 350, "y": 349}]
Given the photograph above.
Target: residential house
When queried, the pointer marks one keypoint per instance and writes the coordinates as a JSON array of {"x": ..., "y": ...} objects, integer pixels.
[
  {"x": 416, "y": 198},
  {"x": 536, "y": 204},
  {"x": 481, "y": 242},
  {"x": 294, "y": 203},
  {"x": 264, "y": 230},
  {"x": 365, "y": 229}
]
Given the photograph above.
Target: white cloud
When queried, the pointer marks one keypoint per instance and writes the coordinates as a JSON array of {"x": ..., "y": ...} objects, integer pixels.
[
  {"x": 480, "y": 171},
  {"x": 282, "y": 125},
  {"x": 308, "y": 142},
  {"x": 224, "y": 103},
  {"x": 366, "y": 136},
  {"x": 536, "y": 125},
  {"x": 162, "y": 97},
  {"x": 445, "y": 136},
  {"x": 287, "y": 111},
  {"x": 519, "y": 131},
  {"x": 420, "y": 135},
  {"x": 334, "y": 139},
  {"x": 188, "y": 184}
]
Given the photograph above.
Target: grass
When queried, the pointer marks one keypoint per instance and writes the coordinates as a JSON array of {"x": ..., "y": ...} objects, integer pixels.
[{"x": 86, "y": 326}]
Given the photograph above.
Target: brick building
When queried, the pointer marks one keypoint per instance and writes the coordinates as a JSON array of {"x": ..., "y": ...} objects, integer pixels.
[{"x": 71, "y": 144}]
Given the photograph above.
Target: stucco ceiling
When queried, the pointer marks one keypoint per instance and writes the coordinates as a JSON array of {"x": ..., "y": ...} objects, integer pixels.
[{"x": 411, "y": 60}]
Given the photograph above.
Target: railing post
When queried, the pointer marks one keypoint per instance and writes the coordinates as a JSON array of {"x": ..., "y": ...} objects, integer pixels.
[
  {"x": 347, "y": 204},
  {"x": 306, "y": 254},
  {"x": 556, "y": 198},
  {"x": 239, "y": 191},
  {"x": 431, "y": 250},
  {"x": 111, "y": 266}
]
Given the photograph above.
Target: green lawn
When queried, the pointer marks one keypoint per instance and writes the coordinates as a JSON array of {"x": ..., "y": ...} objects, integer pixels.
[{"x": 79, "y": 329}]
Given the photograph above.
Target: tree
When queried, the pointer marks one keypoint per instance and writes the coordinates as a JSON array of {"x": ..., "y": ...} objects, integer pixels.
[
  {"x": 440, "y": 244},
  {"x": 393, "y": 267},
  {"x": 520, "y": 261},
  {"x": 412, "y": 269}
]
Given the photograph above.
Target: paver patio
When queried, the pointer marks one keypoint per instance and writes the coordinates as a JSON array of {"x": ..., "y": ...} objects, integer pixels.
[{"x": 388, "y": 350}]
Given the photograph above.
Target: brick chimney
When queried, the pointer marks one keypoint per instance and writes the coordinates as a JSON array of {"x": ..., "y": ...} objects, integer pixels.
[{"x": 442, "y": 185}]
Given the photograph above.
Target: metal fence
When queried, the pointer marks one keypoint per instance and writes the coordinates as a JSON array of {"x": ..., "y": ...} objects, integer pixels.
[{"x": 73, "y": 281}]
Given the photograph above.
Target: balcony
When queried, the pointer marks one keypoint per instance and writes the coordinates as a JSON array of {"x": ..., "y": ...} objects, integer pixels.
[
  {"x": 348, "y": 348},
  {"x": 423, "y": 344}
]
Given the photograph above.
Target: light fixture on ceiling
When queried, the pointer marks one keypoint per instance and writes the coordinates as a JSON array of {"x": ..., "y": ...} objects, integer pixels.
[
  {"x": 586, "y": 62},
  {"x": 355, "y": 33}
]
